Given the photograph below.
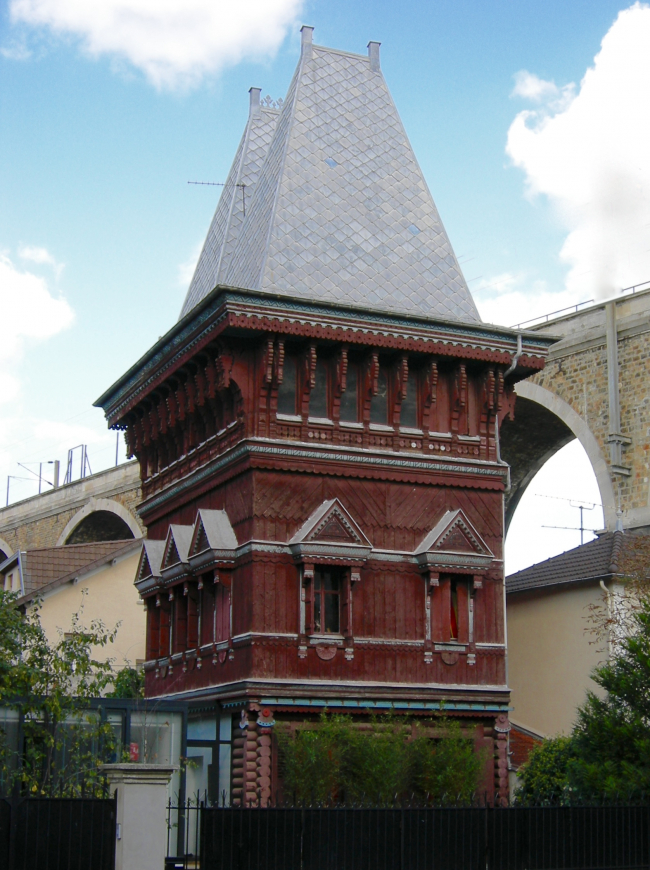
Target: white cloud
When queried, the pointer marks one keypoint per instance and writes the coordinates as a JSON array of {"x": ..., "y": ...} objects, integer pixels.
[
  {"x": 587, "y": 151},
  {"x": 28, "y": 311},
  {"x": 509, "y": 299},
  {"x": 186, "y": 269},
  {"x": 174, "y": 42},
  {"x": 15, "y": 51},
  {"x": 40, "y": 256}
]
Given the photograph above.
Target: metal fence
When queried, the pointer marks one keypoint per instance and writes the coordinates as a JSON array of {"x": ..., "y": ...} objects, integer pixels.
[
  {"x": 57, "y": 834},
  {"x": 429, "y": 838}
]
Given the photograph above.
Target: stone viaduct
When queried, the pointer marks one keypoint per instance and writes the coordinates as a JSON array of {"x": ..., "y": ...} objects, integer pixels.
[{"x": 595, "y": 387}]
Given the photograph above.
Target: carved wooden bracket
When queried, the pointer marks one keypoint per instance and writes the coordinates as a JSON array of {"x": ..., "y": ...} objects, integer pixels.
[
  {"x": 341, "y": 371},
  {"x": 279, "y": 361},
  {"x": 372, "y": 371},
  {"x": 268, "y": 361}
]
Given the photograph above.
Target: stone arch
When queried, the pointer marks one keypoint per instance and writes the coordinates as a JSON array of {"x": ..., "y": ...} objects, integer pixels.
[
  {"x": 96, "y": 505},
  {"x": 5, "y": 550},
  {"x": 543, "y": 424}
]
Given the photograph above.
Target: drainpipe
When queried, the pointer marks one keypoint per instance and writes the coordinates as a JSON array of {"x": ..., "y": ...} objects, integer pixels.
[{"x": 615, "y": 440}]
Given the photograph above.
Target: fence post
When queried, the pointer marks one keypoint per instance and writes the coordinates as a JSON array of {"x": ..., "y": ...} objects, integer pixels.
[{"x": 141, "y": 824}]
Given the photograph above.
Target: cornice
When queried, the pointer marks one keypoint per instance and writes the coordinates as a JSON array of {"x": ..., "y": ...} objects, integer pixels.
[
  {"x": 232, "y": 308},
  {"x": 483, "y": 473}
]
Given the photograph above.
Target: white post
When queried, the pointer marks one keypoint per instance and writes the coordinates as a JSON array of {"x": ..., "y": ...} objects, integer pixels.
[{"x": 141, "y": 821}]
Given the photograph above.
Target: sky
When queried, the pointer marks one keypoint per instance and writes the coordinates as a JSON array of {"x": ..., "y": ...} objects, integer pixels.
[{"x": 530, "y": 121}]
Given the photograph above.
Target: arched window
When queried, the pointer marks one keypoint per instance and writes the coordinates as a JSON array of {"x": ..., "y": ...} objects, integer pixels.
[{"x": 100, "y": 526}]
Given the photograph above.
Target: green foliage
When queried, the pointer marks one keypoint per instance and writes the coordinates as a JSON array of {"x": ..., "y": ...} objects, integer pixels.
[
  {"x": 612, "y": 735},
  {"x": 607, "y": 757},
  {"x": 447, "y": 768},
  {"x": 128, "y": 683},
  {"x": 49, "y": 686},
  {"x": 378, "y": 763},
  {"x": 545, "y": 776}
]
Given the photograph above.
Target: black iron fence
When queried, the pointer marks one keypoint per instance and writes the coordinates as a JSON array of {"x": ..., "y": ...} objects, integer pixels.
[
  {"x": 57, "y": 834},
  {"x": 425, "y": 838}
]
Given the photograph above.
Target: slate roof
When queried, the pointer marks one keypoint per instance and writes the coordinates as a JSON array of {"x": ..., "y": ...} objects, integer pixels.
[
  {"x": 337, "y": 208},
  {"x": 47, "y": 567},
  {"x": 595, "y": 560}
]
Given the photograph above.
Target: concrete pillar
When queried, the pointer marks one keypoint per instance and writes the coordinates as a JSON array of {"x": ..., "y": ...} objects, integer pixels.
[{"x": 141, "y": 814}]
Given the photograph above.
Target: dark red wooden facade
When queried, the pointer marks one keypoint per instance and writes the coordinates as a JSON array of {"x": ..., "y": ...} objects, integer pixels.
[{"x": 404, "y": 522}]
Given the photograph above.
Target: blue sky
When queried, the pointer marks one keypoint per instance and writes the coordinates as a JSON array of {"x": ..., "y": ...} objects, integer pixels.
[{"x": 103, "y": 122}]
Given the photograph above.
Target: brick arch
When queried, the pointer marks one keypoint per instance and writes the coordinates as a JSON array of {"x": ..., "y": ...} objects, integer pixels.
[
  {"x": 100, "y": 504},
  {"x": 543, "y": 424},
  {"x": 6, "y": 549}
]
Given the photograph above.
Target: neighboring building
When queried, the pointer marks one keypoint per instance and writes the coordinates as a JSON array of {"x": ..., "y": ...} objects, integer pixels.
[
  {"x": 552, "y": 648},
  {"x": 95, "y": 578},
  {"x": 318, "y": 444},
  {"x": 100, "y": 507}
]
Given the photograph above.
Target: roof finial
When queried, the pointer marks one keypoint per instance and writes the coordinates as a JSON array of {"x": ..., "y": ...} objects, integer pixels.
[
  {"x": 373, "y": 54},
  {"x": 619, "y": 520},
  {"x": 307, "y": 38},
  {"x": 254, "y": 110}
]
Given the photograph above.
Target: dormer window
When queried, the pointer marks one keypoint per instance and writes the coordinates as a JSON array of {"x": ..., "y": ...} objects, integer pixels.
[{"x": 287, "y": 389}]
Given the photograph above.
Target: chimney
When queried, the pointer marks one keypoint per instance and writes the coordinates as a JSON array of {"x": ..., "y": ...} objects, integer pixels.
[
  {"x": 254, "y": 111},
  {"x": 307, "y": 38},
  {"x": 373, "y": 54}
]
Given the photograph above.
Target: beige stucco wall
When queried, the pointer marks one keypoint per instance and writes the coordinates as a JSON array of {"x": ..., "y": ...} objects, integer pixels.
[
  {"x": 111, "y": 597},
  {"x": 550, "y": 656}
]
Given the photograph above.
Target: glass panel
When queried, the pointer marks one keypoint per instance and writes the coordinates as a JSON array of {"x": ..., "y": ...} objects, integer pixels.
[
  {"x": 224, "y": 773},
  {"x": 409, "y": 410},
  {"x": 332, "y": 612},
  {"x": 379, "y": 402},
  {"x": 199, "y": 767},
  {"x": 317, "y": 603},
  {"x": 318, "y": 397},
  {"x": 225, "y": 727},
  {"x": 204, "y": 728},
  {"x": 287, "y": 390},
  {"x": 349, "y": 407}
]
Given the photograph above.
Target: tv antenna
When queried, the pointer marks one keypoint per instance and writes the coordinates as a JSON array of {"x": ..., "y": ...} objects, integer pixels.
[
  {"x": 239, "y": 184},
  {"x": 582, "y": 507}
]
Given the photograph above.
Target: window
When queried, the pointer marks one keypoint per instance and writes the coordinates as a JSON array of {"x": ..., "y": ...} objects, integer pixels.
[
  {"x": 349, "y": 400},
  {"x": 379, "y": 402},
  {"x": 327, "y": 592},
  {"x": 409, "y": 409},
  {"x": 287, "y": 389},
  {"x": 453, "y": 610},
  {"x": 318, "y": 396}
]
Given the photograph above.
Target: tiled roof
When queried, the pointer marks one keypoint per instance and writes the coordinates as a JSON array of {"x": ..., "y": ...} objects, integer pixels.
[
  {"x": 595, "y": 560},
  {"x": 337, "y": 208},
  {"x": 48, "y": 566}
]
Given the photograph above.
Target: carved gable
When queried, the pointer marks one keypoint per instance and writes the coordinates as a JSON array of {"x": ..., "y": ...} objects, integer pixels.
[
  {"x": 454, "y": 543},
  {"x": 329, "y": 528},
  {"x": 213, "y": 540},
  {"x": 148, "y": 573},
  {"x": 177, "y": 548}
]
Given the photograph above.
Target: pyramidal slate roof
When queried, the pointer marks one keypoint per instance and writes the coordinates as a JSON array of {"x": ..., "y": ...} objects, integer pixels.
[{"x": 326, "y": 201}]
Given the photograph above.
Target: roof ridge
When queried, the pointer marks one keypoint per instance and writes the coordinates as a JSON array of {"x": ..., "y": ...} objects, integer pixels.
[{"x": 617, "y": 547}]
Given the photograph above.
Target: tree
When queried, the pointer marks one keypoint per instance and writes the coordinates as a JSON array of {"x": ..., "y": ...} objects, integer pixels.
[
  {"x": 128, "y": 683},
  {"x": 49, "y": 687},
  {"x": 612, "y": 735},
  {"x": 608, "y": 753}
]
